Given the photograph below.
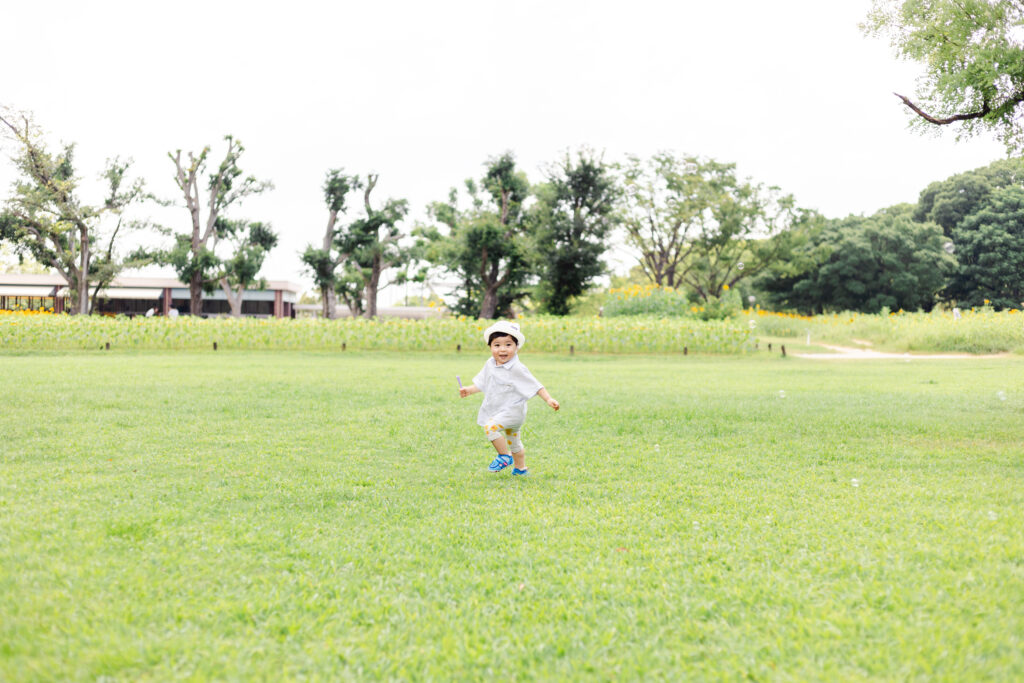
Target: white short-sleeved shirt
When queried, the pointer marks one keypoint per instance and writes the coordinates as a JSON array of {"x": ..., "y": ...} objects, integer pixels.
[{"x": 507, "y": 388}]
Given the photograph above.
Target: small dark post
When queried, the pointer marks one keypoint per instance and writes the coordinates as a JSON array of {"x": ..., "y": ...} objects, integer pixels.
[
  {"x": 769, "y": 347},
  {"x": 342, "y": 346},
  {"x": 572, "y": 350},
  {"x": 214, "y": 346},
  {"x": 458, "y": 348},
  {"x": 686, "y": 350},
  {"x": 783, "y": 350},
  {"x": 108, "y": 346}
]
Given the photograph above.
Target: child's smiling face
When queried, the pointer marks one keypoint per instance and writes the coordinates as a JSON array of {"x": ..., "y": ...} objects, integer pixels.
[{"x": 503, "y": 349}]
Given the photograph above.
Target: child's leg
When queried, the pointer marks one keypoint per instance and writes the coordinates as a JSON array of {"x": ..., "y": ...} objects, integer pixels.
[
  {"x": 517, "y": 448},
  {"x": 519, "y": 460},
  {"x": 500, "y": 445},
  {"x": 496, "y": 435}
]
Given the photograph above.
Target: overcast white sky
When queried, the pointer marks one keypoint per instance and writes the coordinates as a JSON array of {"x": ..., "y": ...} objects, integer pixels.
[{"x": 423, "y": 92}]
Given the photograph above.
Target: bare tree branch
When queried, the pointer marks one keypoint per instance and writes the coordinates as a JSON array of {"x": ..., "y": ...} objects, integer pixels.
[{"x": 945, "y": 121}]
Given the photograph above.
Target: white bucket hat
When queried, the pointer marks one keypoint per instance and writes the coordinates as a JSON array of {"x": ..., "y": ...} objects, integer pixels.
[{"x": 505, "y": 327}]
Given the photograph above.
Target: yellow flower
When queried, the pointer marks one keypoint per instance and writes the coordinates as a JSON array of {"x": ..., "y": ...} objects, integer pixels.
[{"x": 725, "y": 288}]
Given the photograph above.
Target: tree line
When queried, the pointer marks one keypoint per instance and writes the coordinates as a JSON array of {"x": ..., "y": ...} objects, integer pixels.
[
  {"x": 962, "y": 243},
  {"x": 692, "y": 223}
]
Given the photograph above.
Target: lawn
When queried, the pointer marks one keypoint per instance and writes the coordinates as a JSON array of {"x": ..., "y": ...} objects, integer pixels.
[{"x": 264, "y": 515}]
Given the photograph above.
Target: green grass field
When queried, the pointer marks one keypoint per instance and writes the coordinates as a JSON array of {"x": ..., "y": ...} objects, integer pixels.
[{"x": 288, "y": 515}]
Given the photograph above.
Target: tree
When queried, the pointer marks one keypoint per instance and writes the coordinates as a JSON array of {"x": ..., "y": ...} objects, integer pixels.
[
  {"x": 48, "y": 221},
  {"x": 364, "y": 249},
  {"x": 973, "y": 207},
  {"x": 973, "y": 52},
  {"x": 574, "y": 216},
  {"x": 695, "y": 224},
  {"x": 864, "y": 264},
  {"x": 250, "y": 244},
  {"x": 323, "y": 262},
  {"x": 374, "y": 243},
  {"x": 486, "y": 245},
  {"x": 949, "y": 202},
  {"x": 990, "y": 249},
  {"x": 194, "y": 262}
]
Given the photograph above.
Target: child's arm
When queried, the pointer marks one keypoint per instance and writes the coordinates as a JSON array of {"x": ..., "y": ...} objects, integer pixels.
[
  {"x": 466, "y": 391},
  {"x": 543, "y": 393}
]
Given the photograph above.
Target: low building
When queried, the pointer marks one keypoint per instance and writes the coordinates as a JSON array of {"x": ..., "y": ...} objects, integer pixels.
[{"x": 137, "y": 295}]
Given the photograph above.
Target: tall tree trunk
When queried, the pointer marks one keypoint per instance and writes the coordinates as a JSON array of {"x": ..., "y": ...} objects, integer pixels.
[
  {"x": 234, "y": 297},
  {"x": 328, "y": 303},
  {"x": 329, "y": 296},
  {"x": 195, "y": 294},
  {"x": 371, "y": 287},
  {"x": 74, "y": 280},
  {"x": 83, "y": 272},
  {"x": 490, "y": 304},
  {"x": 331, "y": 299},
  {"x": 354, "y": 307}
]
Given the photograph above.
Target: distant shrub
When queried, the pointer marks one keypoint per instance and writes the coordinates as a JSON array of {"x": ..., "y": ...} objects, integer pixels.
[{"x": 666, "y": 302}]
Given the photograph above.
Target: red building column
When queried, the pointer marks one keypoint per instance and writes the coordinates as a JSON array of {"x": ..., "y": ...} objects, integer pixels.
[
  {"x": 167, "y": 300},
  {"x": 278, "y": 303}
]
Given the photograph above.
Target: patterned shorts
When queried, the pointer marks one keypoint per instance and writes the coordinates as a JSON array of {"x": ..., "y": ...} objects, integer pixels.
[{"x": 510, "y": 432}]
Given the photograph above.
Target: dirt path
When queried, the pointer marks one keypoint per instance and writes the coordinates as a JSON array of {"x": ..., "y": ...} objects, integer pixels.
[{"x": 850, "y": 353}]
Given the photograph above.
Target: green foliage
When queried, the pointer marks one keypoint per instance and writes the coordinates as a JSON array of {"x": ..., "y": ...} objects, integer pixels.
[
  {"x": 47, "y": 220},
  {"x": 486, "y": 246},
  {"x": 336, "y": 187},
  {"x": 973, "y": 61},
  {"x": 979, "y": 213},
  {"x": 193, "y": 258},
  {"x": 573, "y": 218},
  {"x": 323, "y": 262},
  {"x": 651, "y": 300},
  {"x": 863, "y": 264},
  {"x": 697, "y": 225},
  {"x": 864, "y": 527},
  {"x": 990, "y": 249},
  {"x": 647, "y": 300},
  {"x": 320, "y": 265},
  {"x": 948, "y": 202},
  {"x": 362, "y": 249},
  {"x": 371, "y": 245},
  {"x": 251, "y": 242},
  {"x": 202, "y": 263}
]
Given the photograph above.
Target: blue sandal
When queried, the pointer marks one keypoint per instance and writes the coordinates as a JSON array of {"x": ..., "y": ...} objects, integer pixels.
[
  {"x": 500, "y": 463},
  {"x": 516, "y": 472}
]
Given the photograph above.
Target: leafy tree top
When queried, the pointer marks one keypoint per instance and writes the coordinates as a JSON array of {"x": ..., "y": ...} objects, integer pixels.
[{"x": 973, "y": 54}]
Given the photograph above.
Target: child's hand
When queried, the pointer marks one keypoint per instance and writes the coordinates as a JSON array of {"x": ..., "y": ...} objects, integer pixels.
[
  {"x": 553, "y": 403},
  {"x": 464, "y": 392}
]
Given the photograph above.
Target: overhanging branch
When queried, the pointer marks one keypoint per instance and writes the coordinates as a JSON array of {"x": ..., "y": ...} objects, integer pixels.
[{"x": 985, "y": 109}]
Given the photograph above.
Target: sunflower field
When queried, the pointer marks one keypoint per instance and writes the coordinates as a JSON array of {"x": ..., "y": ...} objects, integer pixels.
[{"x": 549, "y": 334}]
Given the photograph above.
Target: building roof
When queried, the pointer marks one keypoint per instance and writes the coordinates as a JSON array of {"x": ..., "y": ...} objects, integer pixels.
[{"x": 30, "y": 280}]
